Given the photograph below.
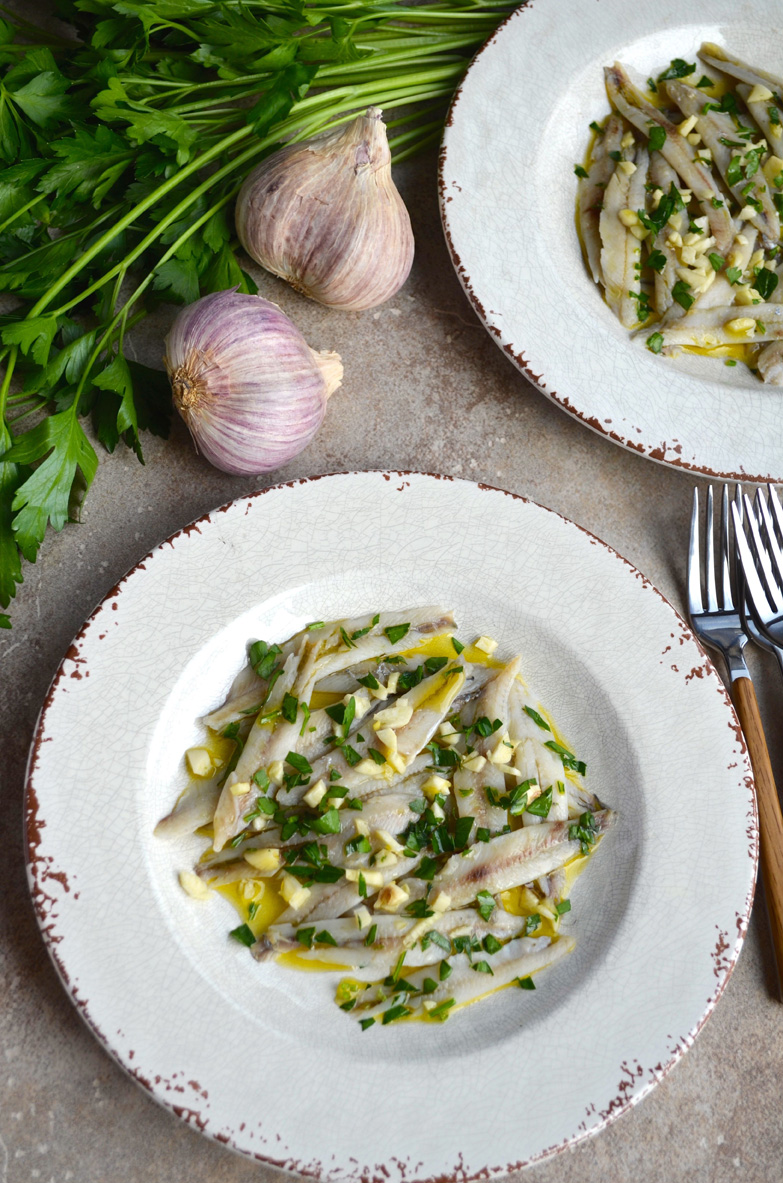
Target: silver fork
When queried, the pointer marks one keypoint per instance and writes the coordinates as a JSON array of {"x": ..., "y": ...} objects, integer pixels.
[
  {"x": 719, "y": 626},
  {"x": 754, "y": 629},
  {"x": 762, "y": 562}
]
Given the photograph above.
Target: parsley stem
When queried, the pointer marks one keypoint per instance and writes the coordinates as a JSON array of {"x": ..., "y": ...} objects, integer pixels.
[
  {"x": 5, "y": 435},
  {"x": 141, "y": 207},
  {"x": 22, "y": 210}
]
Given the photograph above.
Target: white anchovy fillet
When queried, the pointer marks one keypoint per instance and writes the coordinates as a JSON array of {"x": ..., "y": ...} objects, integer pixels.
[
  {"x": 770, "y": 363},
  {"x": 389, "y": 812},
  {"x": 392, "y": 937},
  {"x": 722, "y": 293},
  {"x": 716, "y": 56},
  {"x": 759, "y": 110},
  {"x": 492, "y": 704},
  {"x": 619, "y": 249},
  {"x": 537, "y": 760},
  {"x": 591, "y": 191},
  {"x": 510, "y": 860},
  {"x": 715, "y": 127},
  {"x": 740, "y": 324},
  {"x": 194, "y": 808},
  {"x": 663, "y": 176},
  {"x": 518, "y": 959},
  {"x": 330, "y": 900},
  {"x": 678, "y": 152}
]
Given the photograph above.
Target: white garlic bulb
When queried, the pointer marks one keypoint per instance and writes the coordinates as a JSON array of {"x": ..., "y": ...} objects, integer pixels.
[
  {"x": 250, "y": 389},
  {"x": 325, "y": 215}
]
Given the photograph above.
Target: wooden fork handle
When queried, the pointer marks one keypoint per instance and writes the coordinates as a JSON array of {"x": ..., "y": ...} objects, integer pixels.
[{"x": 770, "y": 818}]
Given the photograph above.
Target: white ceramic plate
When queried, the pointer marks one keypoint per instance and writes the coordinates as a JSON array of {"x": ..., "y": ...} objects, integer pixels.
[
  {"x": 518, "y": 124},
  {"x": 258, "y": 1056}
]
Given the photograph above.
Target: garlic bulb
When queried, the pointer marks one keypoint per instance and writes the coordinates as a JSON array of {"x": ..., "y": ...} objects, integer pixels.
[
  {"x": 250, "y": 389},
  {"x": 326, "y": 216}
]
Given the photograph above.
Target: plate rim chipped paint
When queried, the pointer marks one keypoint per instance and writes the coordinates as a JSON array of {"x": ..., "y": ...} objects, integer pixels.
[
  {"x": 65, "y": 910},
  {"x": 590, "y": 370}
]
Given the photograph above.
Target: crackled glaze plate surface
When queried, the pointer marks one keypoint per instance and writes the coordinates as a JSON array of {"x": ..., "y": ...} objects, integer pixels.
[
  {"x": 257, "y": 1056},
  {"x": 518, "y": 124}
]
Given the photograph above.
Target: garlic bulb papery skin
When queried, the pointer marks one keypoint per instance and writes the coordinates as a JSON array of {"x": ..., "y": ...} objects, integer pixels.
[
  {"x": 251, "y": 390},
  {"x": 325, "y": 215}
]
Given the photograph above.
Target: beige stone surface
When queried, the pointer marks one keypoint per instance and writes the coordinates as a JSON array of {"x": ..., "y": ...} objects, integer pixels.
[{"x": 425, "y": 388}]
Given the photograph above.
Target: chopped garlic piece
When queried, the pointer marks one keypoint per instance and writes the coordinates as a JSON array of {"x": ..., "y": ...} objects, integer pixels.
[
  {"x": 379, "y": 692},
  {"x": 657, "y": 194},
  {"x": 362, "y": 700},
  {"x": 398, "y": 762},
  {"x": 391, "y": 898},
  {"x": 441, "y": 903},
  {"x": 370, "y": 768},
  {"x": 502, "y": 752},
  {"x": 759, "y": 94},
  {"x": 259, "y": 823},
  {"x": 687, "y": 125},
  {"x": 316, "y": 794},
  {"x": 196, "y": 888},
  {"x": 745, "y": 294},
  {"x": 371, "y": 878},
  {"x": 741, "y": 239},
  {"x": 389, "y": 841},
  {"x": 292, "y": 891},
  {"x": 474, "y": 763},
  {"x": 639, "y": 233},
  {"x": 746, "y": 214},
  {"x": 395, "y": 716},
  {"x": 437, "y": 812},
  {"x": 199, "y": 761},
  {"x": 486, "y": 644},
  {"x": 386, "y": 858},
  {"x": 627, "y": 140},
  {"x": 446, "y": 729},
  {"x": 756, "y": 260},
  {"x": 388, "y": 739},
  {"x": 674, "y": 239},
  {"x": 741, "y": 324},
  {"x": 363, "y": 917},
  {"x": 251, "y": 889},
  {"x": 628, "y": 217},
  {"x": 435, "y": 784},
  {"x": 264, "y": 860},
  {"x": 627, "y": 167},
  {"x": 392, "y": 680},
  {"x": 701, "y": 285},
  {"x": 275, "y": 772},
  {"x": 694, "y": 138},
  {"x": 240, "y": 788},
  {"x": 362, "y": 828}
]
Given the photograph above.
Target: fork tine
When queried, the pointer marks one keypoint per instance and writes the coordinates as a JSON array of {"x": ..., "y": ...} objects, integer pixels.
[
  {"x": 777, "y": 508},
  {"x": 709, "y": 558},
  {"x": 762, "y": 558},
  {"x": 773, "y": 547},
  {"x": 726, "y": 551},
  {"x": 694, "y": 569},
  {"x": 754, "y": 590}
]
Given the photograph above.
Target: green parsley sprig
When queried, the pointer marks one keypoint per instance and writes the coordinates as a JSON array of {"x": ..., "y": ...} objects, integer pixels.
[{"x": 121, "y": 153}]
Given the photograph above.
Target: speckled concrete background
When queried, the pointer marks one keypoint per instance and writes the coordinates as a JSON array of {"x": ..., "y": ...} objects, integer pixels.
[{"x": 426, "y": 389}]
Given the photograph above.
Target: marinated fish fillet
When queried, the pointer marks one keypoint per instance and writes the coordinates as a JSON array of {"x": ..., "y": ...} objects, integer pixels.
[
  {"x": 677, "y": 151},
  {"x": 592, "y": 188},
  {"x": 728, "y": 152},
  {"x": 510, "y": 860},
  {"x": 517, "y": 960}
]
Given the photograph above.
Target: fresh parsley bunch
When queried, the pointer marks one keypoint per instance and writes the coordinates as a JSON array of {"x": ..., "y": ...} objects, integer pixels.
[{"x": 123, "y": 144}]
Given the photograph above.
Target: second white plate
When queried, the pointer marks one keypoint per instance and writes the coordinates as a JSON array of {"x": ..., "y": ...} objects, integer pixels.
[
  {"x": 257, "y": 1055},
  {"x": 518, "y": 124}
]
